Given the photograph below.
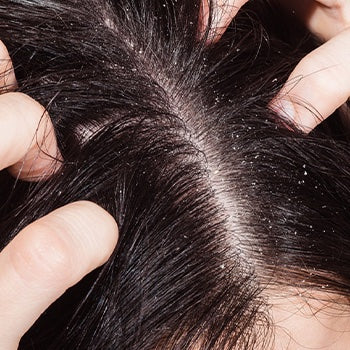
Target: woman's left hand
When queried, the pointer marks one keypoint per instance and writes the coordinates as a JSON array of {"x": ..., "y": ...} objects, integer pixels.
[{"x": 56, "y": 251}]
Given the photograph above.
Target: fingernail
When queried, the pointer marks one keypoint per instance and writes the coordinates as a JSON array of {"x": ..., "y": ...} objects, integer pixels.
[{"x": 284, "y": 108}]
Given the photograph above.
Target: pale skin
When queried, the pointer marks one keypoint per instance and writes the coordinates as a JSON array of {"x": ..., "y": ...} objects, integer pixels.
[
  {"x": 321, "y": 81},
  {"x": 304, "y": 319},
  {"x": 53, "y": 253}
]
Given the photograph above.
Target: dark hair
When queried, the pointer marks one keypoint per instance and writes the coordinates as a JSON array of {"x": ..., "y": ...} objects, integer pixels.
[{"x": 218, "y": 200}]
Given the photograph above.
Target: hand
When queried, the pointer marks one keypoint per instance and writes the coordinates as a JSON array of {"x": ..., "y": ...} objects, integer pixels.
[
  {"x": 55, "y": 252},
  {"x": 324, "y": 18},
  {"x": 321, "y": 81}
]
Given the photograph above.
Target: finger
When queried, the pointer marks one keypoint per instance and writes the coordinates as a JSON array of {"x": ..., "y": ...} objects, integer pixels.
[
  {"x": 7, "y": 75},
  {"x": 223, "y": 11},
  {"x": 328, "y": 18},
  {"x": 27, "y": 138},
  {"x": 319, "y": 84},
  {"x": 45, "y": 259},
  {"x": 324, "y": 18}
]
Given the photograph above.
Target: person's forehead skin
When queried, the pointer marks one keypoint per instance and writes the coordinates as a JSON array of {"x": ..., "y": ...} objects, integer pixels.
[{"x": 310, "y": 320}]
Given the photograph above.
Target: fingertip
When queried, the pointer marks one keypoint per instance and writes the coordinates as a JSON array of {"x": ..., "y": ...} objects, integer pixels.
[
  {"x": 93, "y": 229},
  {"x": 80, "y": 237},
  {"x": 295, "y": 113},
  {"x": 28, "y": 143},
  {"x": 48, "y": 257},
  {"x": 62, "y": 247},
  {"x": 103, "y": 226},
  {"x": 3, "y": 50}
]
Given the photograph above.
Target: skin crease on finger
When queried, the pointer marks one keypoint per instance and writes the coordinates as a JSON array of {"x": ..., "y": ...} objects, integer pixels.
[{"x": 46, "y": 258}]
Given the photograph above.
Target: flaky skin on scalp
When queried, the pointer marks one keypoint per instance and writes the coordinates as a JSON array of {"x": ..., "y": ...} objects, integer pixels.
[{"x": 219, "y": 202}]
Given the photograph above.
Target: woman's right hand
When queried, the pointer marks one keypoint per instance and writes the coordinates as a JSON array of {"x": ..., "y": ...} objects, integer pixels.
[
  {"x": 55, "y": 252},
  {"x": 321, "y": 81}
]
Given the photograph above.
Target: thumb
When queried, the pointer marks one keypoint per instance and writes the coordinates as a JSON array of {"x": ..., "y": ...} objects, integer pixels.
[{"x": 45, "y": 259}]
